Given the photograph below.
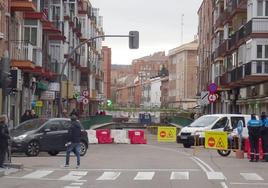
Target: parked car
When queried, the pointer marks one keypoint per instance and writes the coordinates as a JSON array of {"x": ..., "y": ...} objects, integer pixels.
[
  {"x": 43, "y": 134},
  {"x": 213, "y": 122}
]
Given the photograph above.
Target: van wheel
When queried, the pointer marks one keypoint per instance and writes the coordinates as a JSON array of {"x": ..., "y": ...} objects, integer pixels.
[
  {"x": 224, "y": 153},
  {"x": 187, "y": 145},
  {"x": 53, "y": 153}
]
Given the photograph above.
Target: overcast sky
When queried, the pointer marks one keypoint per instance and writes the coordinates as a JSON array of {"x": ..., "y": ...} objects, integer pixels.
[{"x": 158, "y": 21}]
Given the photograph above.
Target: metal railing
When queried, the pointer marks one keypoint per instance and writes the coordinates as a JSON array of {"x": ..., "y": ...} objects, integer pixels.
[{"x": 21, "y": 50}]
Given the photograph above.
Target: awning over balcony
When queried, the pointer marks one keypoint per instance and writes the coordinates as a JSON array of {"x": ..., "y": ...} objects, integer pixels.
[
  {"x": 49, "y": 27},
  {"x": 35, "y": 16},
  {"x": 57, "y": 37},
  {"x": 22, "y": 64},
  {"x": 22, "y": 5}
]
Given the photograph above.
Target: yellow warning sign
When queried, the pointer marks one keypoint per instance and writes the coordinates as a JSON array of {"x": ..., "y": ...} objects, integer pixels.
[
  {"x": 216, "y": 140},
  {"x": 166, "y": 134}
]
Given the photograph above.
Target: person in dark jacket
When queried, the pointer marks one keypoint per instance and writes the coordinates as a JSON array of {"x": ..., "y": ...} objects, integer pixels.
[
  {"x": 264, "y": 136},
  {"x": 74, "y": 141},
  {"x": 254, "y": 126},
  {"x": 26, "y": 116},
  {"x": 4, "y": 137}
]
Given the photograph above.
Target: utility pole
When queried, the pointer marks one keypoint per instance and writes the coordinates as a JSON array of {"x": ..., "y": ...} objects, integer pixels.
[{"x": 182, "y": 24}]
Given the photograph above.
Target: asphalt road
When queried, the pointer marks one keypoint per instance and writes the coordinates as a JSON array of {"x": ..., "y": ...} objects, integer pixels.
[{"x": 154, "y": 165}]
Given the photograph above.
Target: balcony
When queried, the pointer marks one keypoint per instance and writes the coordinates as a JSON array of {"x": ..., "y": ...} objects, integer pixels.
[
  {"x": 21, "y": 55},
  {"x": 237, "y": 6},
  {"x": 22, "y": 6},
  {"x": 251, "y": 73},
  {"x": 257, "y": 27},
  {"x": 225, "y": 79},
  {"x": 221, "y": 50}
]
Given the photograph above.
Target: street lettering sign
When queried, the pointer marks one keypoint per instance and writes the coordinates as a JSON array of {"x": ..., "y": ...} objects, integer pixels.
[
  {"x": 204, "y": 98},
  {"x": 216, "y": 140}
]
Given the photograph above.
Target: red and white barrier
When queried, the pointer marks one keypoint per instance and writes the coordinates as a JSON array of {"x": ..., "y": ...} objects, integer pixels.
[
  {"x": 92, "y": 137},
  {"x": 137, "y": 137},
  {"x": 103, "y": 136},
  {"x": 120, "y": 136}
]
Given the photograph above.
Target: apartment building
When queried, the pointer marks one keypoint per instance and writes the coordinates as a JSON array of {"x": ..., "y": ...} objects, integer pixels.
[
  {"x": 183, "y": 68},
  {"x": 42, "y": 35},
  {"x": 239, "y": 55}
]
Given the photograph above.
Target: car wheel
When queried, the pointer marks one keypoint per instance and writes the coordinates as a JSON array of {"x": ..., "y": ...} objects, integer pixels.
[
  {"x": 224, "y": 153},
  {"x": 187, "y": 145},
  {"x": 53, "y": 153},
  {"x": 32, "y": 149},
  {"x": 83, "y": 148}
]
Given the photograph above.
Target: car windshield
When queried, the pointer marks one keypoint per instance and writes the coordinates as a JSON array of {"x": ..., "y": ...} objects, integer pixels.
[
  {"x": 31, "y": 124},
  {"x": 204, "y": 121}
]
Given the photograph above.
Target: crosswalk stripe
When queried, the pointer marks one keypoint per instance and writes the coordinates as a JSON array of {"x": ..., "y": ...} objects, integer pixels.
[
  {"x": 215, "y": 176},
  {"x": 74, "y": 175},
  {"x": 109, "y": 176},
  {"x": 38, "y": 174},
  {"x": 144, "y": 176},
  {"x": 179, "y": 176},
  {"x": 251, "y": 176}
]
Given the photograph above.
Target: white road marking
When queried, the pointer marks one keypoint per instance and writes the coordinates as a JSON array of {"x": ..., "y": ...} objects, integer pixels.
[
  {"x": 74, "y": 175},
  {"x": 223, "y": 184},
  {"x": 128, "y": 169},
  {"x": 144, "y": 176},
  {"x": 179, "y": 176},
  {"x": 215, "y": 176},
  {"x": 71, "y": 187},
  {"x": 251, "y": 184},
  {"x": 251, "y": 177},
  {"x": 77, "y": 183},
  {"x": 38, "y": 174},
  {"x": 109, "y": 176},
  {"x": 205, "y": 164}
]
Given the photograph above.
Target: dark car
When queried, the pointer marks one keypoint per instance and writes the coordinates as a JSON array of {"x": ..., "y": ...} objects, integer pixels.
[{"x": 42, "y": 134}]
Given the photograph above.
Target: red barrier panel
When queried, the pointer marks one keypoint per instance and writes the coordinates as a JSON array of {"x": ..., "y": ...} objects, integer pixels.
[
  {"x": 247, "y": 148},
  {"x": 104, "y": 136},
  {"x": 137, "y": 137}
]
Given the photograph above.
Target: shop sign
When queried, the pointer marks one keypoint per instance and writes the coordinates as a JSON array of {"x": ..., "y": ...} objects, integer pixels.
[
  {"x": 39, "y": 103},
  {"x": 54, "y": 86},
  {"x": 48, "y": 95}
]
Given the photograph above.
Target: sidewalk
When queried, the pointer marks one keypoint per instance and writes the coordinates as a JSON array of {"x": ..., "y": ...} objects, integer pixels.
[{"x": 10, "y": 169}]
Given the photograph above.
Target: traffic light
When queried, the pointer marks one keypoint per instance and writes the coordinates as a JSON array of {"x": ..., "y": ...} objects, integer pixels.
[{"x": 133, "y": 39}]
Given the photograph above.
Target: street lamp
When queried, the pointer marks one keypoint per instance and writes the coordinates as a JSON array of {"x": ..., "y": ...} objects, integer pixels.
[{"x": 133, "y": 44}]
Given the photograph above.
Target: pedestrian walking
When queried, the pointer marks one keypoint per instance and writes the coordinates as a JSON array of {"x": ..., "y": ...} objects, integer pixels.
[
  {"x": 254, "y": 126},
  {"x": 264, "y": 136},
  {"x": 74, "y": 141},
  {"x": 4, "y": 137}
]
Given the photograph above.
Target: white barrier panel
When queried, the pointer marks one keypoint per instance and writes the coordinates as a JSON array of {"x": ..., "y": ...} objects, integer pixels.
[
  {"x": 92, "y": 138},
  {"x": 120, "y": 136}
]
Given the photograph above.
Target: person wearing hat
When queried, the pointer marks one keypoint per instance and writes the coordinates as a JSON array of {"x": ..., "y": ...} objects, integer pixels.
[
  {"x": 4, "y": 137},
  {"x": 264, "y": 136},
  {"x": 74, "y": 141}
]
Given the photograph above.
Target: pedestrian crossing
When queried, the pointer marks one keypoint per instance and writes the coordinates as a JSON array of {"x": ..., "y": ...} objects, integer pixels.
[{"x": 80, "y": 176}]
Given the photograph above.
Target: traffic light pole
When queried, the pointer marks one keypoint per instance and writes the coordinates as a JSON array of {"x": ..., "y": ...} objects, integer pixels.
[{"x": 69, "y": 57}]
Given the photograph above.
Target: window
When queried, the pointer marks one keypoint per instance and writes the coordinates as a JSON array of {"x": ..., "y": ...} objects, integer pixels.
[
  {"x": 30, "y": 31},
  {"x": 266, "y": 51},
  {"x": 260, "y": 8},
  {"x": 221, "y": 123},
  {"x": 66, "y": 125},
  {"x": 53, "y": 125},
  {"x": 259, "y": 51},
  {"x": 234, "y": 121}
]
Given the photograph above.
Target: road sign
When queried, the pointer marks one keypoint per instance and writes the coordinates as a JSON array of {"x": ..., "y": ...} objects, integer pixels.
[
  {"x": 216, "y": 140},
  {"x": 212, "y": 88},
  {"x": 212, "y": 98},
  {"x": 85, "y": 93},
  {"x": 85, "y": 101},
  {"x": 204, "y": 98},
  {"x": 166, "y": 134}
]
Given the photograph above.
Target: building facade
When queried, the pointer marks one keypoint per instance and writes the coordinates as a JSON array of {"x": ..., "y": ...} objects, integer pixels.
[
  {"x": 39, "y": 36},
  {"x": 183, "y": 76},
  {"x": 239, "y": 55},
  {"x": 107, "y": 63}
]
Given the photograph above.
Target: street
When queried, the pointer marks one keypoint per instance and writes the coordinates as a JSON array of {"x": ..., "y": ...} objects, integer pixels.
[{"x": 134, "y": 166}]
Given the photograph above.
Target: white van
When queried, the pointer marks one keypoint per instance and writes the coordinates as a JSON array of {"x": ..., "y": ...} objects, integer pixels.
[{"x": 215, "y": 122}]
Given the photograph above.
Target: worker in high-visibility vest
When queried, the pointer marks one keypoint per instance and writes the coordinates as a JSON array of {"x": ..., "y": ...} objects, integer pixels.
[{"x": 254, "y": 127}]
